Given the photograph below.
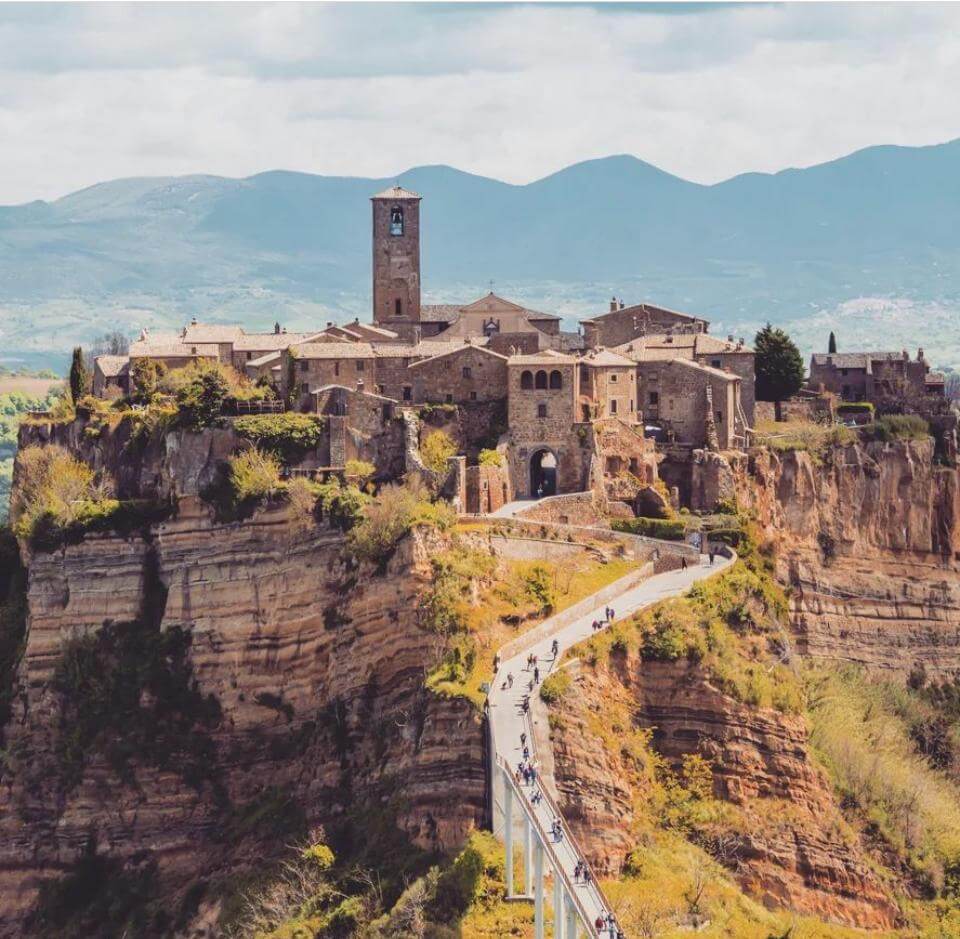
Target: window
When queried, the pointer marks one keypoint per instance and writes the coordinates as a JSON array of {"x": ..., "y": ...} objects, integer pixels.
[
  {"x": 446, "y": 365},
  {"x": 407, "y": 392},
  {"x": 249, "y": 356},
  {"x": 336, "y": 368},
  {"x": 719, "y": 417},
  {"x": 379, "y": 389},
  {"x": 631, "y": 405},
  {"x": 716, "y": 363},
  {"x": 359, "y": 365},
  {"x": 473, "y": 396},
  {"x": 304, "y": 388},
  {"x": 843, "y": 372},
  {"x": 398, "y": 307},
  {"x": 613, "y": 378},
  {"x": 304, "y": 365},
  {"x": 540, "y": 380},
  {"x": 466, "y": 371},
  {"x": 613, "y": 406},
  {"x": 654, "y": 397},
  {"x": 396, "y": 220},
  {"x": 541, "y": 410},
  {"x": 556, "y": 379},
  {"x": 526, "y": 379},
  {"x": 449, "y": 399}
]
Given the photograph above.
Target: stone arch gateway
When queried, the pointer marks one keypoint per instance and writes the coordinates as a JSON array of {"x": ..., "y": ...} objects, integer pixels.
[{"x": 543, "y": 473}]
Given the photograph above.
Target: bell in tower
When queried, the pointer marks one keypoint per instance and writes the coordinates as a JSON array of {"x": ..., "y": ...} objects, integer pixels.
[{"x": 396, "y": 220}]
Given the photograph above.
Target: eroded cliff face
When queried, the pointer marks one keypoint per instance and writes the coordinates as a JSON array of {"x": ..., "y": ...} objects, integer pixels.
[
  {"x": 867, "y": 539},
  {"x": 785, "y": 841},
  {"x": 305, "y": 673}
]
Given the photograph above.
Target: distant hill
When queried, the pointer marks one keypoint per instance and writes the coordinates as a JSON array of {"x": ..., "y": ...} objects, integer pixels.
[{"x": 880, "y": 223}]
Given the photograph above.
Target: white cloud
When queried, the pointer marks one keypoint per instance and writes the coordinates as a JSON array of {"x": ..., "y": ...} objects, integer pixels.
[{"x": 94, "y": 91}]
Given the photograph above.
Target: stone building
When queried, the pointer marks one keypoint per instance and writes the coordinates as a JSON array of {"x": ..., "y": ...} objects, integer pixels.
[
  {"x": 725, "y": 354},
  {"x": 111, "y": 375},
  {"x": 468, "y": 373},
  {"x": 622, "y": 323},
  {"x": 542, "y": 410},
  {"x": 694, "y": 404},
  {"x": 882, "y": 378},
  {"x": 312, "y": 365},
  {"x": 608, "y": 386},
  {"x": 493, "y": 316}
]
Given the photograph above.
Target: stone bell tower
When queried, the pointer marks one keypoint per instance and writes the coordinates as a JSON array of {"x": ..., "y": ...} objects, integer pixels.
[{"x": 396, "y": 259}]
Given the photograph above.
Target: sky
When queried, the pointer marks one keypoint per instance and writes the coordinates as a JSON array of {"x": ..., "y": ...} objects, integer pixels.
[{"x": 90, "y": 92}]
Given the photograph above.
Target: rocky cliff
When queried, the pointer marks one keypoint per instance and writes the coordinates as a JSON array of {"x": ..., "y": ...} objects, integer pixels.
[
  {"x": 191, "y": 697},
  {"x": 780, "y": 831},
  {"x": 867, "y": 538}
]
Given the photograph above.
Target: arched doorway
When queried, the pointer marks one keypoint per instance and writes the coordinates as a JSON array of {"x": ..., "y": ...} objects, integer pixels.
[{"x": 543, "y": 474}]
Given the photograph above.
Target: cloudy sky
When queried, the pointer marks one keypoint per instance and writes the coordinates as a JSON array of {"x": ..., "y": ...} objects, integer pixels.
[{"x": 95, "y": 91}]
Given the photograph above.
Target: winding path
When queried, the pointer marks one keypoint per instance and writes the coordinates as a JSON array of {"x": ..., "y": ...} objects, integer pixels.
[{"x": 576, "y": 906}]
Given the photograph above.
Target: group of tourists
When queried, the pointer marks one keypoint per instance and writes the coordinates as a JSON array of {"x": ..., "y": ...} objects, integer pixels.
[
  {"x": 608, "y": 617},
  {"x": 610, "y": 924},
  {"x": 581, "y": 870},
  {"x": 526, "y": 772},
  {"x": 556, "y": 829}
]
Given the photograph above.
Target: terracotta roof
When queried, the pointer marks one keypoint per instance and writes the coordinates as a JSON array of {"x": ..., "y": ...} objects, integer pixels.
[
  {"x": 397, "y": 192},
  {"x": 264, "y": 359},
  {"x": 863, "y": 360},
  {"x": 112, "y": 365},
  {"x": 427, "y": 348},
  {"x": 641, "y": 308},
  {"x": 547, "y": 357},
  {"x": 439, "y": 312},
  {"x": 335, "y": 350},
  {"x": 211, "y": 332},
  {"x": 171, "y": 348},
  {"x": 606, "y": 357},
  {"x": 462, "y": 348},
  {"x": 715, "y": 372},
  {"x": 267, "y": 342}
]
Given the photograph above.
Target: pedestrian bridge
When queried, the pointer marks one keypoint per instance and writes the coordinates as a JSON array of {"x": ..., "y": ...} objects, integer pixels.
[{"x": 577, "y": 906}]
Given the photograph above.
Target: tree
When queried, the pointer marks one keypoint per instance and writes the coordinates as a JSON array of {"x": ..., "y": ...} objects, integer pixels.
[
  {"x": 832, "y": 345},
  {"x": 779, "y": 367},
  {"x": 79, "y": 376},
  {"x": 200, "y": 401},
  {"x": 113, "y": 342}
]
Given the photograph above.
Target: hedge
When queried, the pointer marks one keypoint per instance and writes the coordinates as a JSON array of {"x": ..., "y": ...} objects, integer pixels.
[
  {"x": 668, "y": 529},
  {"x": 288, "y": 436}
]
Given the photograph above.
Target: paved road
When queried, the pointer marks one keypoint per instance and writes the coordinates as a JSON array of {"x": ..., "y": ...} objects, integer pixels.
[{"x": 509, "y": 721}]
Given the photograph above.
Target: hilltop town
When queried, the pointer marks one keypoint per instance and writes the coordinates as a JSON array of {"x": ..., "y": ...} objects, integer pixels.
[{"x": 396, "y": 628}]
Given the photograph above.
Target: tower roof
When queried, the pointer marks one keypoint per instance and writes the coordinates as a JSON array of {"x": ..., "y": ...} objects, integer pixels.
[{"x": 397, "y": 192}]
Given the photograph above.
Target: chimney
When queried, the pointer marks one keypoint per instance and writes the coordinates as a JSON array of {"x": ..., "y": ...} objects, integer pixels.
[
  {"x": 621, "y": 303},
  {"x": 613, "y": 304},
  {"x": 329, "y": 324},
  {"x": 920, "y": 354},
  {"x": 276, "y": 329},
  {"x": 730, "y": 337}
]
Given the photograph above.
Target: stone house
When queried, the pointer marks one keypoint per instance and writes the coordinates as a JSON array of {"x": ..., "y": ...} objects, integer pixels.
[
  {"x": 882, "y": 378},
  {"x": 111, "y": 375},
  {"x": 468, "y": 373},
  {"x": 695, "y": 404},
  {"x": 173, "y": 352},
  {"x": 250, "y": 347},
  {"x": 623, "y": 323},
  {"x": 608, "y": 386},
  {"x": 312, "y": 365},
  {"x": 494, "y": 316}
]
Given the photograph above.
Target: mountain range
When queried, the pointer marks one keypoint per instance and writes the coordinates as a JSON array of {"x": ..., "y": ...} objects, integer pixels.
[{"x": 862, "y": 244}]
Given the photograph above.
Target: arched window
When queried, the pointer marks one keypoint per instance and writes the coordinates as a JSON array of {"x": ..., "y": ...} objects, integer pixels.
[
  {"x": 398, "y": 307},
  {"x": 556, "y": 379},
  {"x": 526, "y": 379},
  {"x": 396, "y": 220},
  {"x": 541, "y": 380}
]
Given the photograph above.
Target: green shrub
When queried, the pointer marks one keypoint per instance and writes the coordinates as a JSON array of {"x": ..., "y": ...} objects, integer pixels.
[
  {"x": 490, "y": 458},
  {"x": 254, "y": 476},
  {"x": 899, "y": 427},
  {"x": 341, "y": 505},
  {"x": 727, "y": 536},
  {"x": 396, "y": 510},
  {"x": 555, "y": 686},
  {"x": 436, "y": 449},
  {"x": 360, "y": 470},
  {"x": 663, "y": 528},
  {"x": 289, "y": 436},
  {"x": 200, "y": 399}
]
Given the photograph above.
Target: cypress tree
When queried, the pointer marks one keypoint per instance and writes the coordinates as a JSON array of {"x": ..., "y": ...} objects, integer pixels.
[
  {"x": 779, "y": 367},
  {"x": 79, "y": 376},
  {"x": 832, "y": 345}
]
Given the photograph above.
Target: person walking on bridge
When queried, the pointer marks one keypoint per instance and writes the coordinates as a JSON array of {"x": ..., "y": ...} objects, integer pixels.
[{"x": 556, "y": 648}]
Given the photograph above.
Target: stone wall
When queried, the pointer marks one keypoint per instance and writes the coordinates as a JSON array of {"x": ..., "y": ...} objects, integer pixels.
[
  {"x": 619, "y": 326},
  {"x": 487, "y": 488},
  {"x": 579, "y": 508}
]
